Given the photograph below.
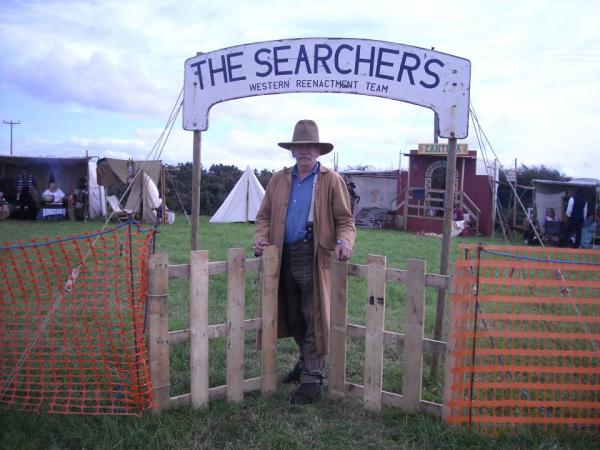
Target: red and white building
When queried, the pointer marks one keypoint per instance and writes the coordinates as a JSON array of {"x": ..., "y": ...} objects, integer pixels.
[{"x": 418, "y": 202}]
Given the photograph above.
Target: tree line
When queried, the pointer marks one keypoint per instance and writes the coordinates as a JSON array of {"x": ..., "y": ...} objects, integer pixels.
[
  {"x": 215, "y": 185},
  {"x": 217, "y": 181}
]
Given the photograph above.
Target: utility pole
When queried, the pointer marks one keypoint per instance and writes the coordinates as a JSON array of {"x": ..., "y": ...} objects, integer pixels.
[
  {"x": 515, "y": 197},
  {"x": 11, "y": 123}
]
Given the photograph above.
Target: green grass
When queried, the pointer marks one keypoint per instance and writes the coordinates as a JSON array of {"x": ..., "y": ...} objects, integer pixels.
[{"x": 273, "y": 423}]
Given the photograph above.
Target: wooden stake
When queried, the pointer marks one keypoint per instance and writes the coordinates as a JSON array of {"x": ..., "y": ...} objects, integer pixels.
[
  {"x": 373, "y": 374},
  {"x": 413, "y": 342},
  {"x": 236, "y": 287},
  {"x": 445, "y": 255},
  {"x": 199, "y": 282},
  {"x": 454, "y": 382},
  {"x": 270, "y": 260},
  {"x": 338, "y": 332},
  {"x": 407, "y": 195},
  {"x": 163, "y": 193},
  {"x": 158, "y": 329}
]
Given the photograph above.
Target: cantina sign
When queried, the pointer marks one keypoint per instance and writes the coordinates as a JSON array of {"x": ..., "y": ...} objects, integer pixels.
[{"x": 354, "y": 66}]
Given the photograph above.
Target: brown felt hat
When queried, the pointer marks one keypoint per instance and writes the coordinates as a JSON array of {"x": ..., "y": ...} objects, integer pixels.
[{"x": 307, "y": 132}]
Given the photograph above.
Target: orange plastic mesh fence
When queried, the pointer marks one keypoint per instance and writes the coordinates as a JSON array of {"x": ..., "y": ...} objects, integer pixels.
[
  {"x": 524, "y": 345},
  {"x": 72, "y": 314}
]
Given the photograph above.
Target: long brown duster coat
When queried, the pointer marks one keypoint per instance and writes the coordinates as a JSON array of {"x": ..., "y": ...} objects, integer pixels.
[{"x": 332, "y": 220}]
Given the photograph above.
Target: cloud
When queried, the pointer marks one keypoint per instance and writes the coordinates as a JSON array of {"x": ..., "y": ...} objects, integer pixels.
[
  {"x": 534, "y": 77},
  {"x": 60, "y": 76}
]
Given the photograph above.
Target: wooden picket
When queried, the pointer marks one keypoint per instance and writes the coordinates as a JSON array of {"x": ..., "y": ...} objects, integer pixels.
[
  {"x": 268, "y": 304},
  {"x": 373, "y": 373},
  {"x": 338, "y": 330},
  {"x": 236, "y": 304},
  {"x": 413, "y": 343},
  {"x": 199, "y": 328},
  {"x": 158, "y": 329}
]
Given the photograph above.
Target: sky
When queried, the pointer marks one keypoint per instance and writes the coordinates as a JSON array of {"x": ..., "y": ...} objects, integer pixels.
[{"x": 102, "y": 77}]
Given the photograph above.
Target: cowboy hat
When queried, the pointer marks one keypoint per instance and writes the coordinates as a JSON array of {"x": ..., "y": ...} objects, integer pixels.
[{"x": 307, "y": 132}]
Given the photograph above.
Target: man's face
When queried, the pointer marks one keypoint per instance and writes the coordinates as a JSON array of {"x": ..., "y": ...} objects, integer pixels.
[
  {"x": 306, "y": 155},
  {"x": 52, "y": 187}
]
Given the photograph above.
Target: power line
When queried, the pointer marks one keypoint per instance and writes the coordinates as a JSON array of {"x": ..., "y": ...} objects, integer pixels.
[{"x": 11, "y": 123}]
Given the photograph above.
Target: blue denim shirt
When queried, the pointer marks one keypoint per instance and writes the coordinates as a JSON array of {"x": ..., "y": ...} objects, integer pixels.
[{"x": 299, "y": 206}]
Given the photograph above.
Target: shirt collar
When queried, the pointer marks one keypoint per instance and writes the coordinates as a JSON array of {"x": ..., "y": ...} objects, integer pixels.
[{"x": 314, "y": 170}]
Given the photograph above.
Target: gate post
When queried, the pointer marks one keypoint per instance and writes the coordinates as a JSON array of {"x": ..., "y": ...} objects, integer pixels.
[{"x": 158, "y": 329}]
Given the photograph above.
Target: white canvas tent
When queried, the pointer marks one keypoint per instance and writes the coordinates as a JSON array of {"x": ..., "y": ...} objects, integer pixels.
[
  {"x": 96, "y": 193},
  {"x": 243, "y": 202},
  {"x": 143, "y": 198},
  {"x": 555, "y": 195}
]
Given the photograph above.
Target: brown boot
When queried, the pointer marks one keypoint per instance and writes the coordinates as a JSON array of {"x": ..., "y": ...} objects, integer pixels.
[
  {"x": 293, "y": 376},
  {"x": 307, "y": 393}
]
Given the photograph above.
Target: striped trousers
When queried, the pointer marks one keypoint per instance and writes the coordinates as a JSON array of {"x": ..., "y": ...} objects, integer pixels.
[{"x": 297, "y": 274}]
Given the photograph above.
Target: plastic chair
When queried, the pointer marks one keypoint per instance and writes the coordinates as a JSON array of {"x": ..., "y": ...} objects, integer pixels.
[{"x": 120, "y": 214}]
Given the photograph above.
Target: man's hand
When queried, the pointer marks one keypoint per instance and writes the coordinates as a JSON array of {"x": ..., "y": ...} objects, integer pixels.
[
  {"x": 259, "y": 247},
  {"x": 343, "y": 251}
]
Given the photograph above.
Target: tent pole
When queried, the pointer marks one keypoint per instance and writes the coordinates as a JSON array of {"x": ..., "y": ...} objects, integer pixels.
[
  {"x": 247, "y": 198},
  {"x": 163, "y": 188},
  {"x": 196, "y": 175},
  {"x": 446, "y": 238}
]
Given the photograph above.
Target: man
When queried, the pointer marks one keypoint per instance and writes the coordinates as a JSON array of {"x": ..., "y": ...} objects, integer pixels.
[
  {"x": 576, "y": 214},
  {"x": 53, "y": 196},
  {"x": 354, "y": 197},
  {"x": 306, "y": 214}
]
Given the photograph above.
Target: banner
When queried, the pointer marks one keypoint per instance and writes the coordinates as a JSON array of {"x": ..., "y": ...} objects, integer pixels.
[
  {"x": 441, "y": 149},
  {"x": 414, "y": 75}
]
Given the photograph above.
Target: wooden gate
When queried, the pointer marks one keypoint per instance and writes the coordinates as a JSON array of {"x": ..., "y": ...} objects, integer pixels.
[{"x": 377, "y": 274}]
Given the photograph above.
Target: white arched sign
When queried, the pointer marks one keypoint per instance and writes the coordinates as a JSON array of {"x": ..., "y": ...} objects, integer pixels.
[{"x": 353, "y": 66}]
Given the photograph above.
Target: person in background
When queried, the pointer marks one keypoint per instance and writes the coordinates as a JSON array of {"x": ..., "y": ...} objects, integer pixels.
[
  {"x": 576, "y": 214},
  {"x": 25, "y": 202},
  {"x": 53, "y": 196},
  {"x": 457, "y": 213},
  {"x": 354, "y": 198},
  {"x": 587, "y": 231},
  {"x": 306, "y": 213},
  {"x": 530, "y": 236},
  {"x": 551, "y": 215}
]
